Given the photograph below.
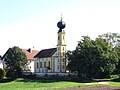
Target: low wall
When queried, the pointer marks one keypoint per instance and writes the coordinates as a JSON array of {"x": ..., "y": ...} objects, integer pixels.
[{"x": 51, "y": 74}]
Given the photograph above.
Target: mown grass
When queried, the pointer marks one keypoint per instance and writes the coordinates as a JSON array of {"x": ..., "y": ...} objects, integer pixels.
[
  {"x": 22, "y": 84},
  {"x": 114, "y": 83},
  {"x": 50, "y": 84}
]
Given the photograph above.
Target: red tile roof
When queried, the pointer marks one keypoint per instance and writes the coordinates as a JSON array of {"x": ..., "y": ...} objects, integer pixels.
[{"x": 30, "y": 54}]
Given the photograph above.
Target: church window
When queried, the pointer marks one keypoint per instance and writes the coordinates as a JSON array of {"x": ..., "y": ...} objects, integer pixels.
[
  {"x": 63, "y": 54},
  {"x": 63, "y": 37},
  {"x": 63, "y": 60},
  {"x": 37, "y": 64},
  {"x": 58, "y": 37},
  {"x": 63, "y": 67},
  {"x": 63, "y": 48},
  {"x": 45, "y": 64},
  {"x": 40, "y": 64},
  {"x": 49, "y": 64},
  {"x": 58, "y": 66}
]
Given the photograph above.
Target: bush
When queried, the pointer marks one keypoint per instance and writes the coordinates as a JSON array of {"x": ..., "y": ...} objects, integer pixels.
[
  {"x": 2, "y": 73},
  {"x": 18, "y": 72},
  {"x": 13, "y": 74},
  {"x": 10, "y": 74}
]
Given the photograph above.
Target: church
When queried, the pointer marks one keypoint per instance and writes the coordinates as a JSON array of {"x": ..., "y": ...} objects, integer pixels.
[{"x": 53, "y": 61}]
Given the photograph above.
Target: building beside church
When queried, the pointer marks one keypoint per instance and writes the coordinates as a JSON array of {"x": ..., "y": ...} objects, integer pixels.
[
  {"x": 52, "y": 60},
  {"x": 1, "y": 62},
  {"x": 30, "y": 57}
]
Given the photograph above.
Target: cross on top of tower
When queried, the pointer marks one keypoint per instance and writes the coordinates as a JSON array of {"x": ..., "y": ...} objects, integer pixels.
[{"x": 61, "y": 16}]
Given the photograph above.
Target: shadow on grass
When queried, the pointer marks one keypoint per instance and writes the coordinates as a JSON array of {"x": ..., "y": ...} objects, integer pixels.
[
  {"x": 116, "y": 80},
  {"x": 48, "y": 79},
  {"x": 6, "y": 80},
  {"x": 51, "y": 79}
]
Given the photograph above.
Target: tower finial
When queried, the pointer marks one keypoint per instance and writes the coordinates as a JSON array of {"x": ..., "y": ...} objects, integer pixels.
[
  {"x": 61, "y": 16},
  {"x": 61, "y": 24}
]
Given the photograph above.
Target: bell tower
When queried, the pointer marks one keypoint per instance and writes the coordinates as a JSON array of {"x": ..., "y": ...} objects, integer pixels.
[{"x": 61, "y": 46}]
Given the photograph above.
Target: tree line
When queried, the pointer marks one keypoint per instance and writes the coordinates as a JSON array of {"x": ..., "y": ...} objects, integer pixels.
[{"x": 97, "y": 58}]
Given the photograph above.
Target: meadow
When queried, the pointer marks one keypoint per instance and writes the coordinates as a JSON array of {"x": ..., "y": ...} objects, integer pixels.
[
  {"x": 22, "y": 84},
  {"x": 38, "y": 84}
]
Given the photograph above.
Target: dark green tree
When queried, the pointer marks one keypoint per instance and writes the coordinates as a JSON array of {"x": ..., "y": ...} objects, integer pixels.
[
  {"x": 79, "y": 59},
  {"x": 117, "y": 49},
  {"x": 92, "y": 58},
  {"x": 2, "y": 74},
  {"x": 16, "y": 60},
  {"x": 108, "y": 57}
]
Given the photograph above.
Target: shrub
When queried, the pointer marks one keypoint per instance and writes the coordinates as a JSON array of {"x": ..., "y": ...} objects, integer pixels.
[
  {"x": 13, "y": 74},
  {"x": 2, "y": 73},
  {"x": 10, "y": 74}
]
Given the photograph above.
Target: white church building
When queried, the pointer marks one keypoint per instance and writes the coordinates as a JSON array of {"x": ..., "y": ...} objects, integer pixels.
[{"x": 52, "y": 61}]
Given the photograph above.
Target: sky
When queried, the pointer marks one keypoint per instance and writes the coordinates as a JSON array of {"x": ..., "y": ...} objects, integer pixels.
[{"x": 33, "y": 23}]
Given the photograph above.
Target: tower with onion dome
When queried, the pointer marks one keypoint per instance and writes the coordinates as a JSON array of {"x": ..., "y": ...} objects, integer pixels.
[
  {"x": 61, "y": 46},
  {"x": 52, "y": 61}
]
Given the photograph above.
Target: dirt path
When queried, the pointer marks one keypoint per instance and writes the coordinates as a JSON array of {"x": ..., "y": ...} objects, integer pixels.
[
  {"x": 106, "y": 87},
  {"x": 103, "y": 83}
]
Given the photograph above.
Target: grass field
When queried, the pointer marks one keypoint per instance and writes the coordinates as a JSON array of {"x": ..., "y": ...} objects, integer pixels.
[
  {"x": 21, "y": 84},
  {"x": 28, "y": 84}
]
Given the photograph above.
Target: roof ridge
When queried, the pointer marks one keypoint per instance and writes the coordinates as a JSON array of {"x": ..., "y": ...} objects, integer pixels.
[{"x": 49, "y": 49}]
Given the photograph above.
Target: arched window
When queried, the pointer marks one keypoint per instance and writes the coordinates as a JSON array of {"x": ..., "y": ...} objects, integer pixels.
[
  {"x": 63, "y": 48},
  {"x": 58, "y": 37},
  {"x": 44, "y": 64},
  {"x": 37, "y": 64},
  {"x": 40, "y": 64},
  {"x": 49, "y": 64}
]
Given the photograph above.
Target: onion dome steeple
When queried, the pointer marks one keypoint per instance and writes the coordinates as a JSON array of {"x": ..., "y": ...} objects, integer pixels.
[{"x": 61, "y": 25}]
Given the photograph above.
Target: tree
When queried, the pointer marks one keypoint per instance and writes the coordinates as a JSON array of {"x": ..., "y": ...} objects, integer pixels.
[
  {"x": 112, "y": 38},
  {"x": 2, "y": 74},
  {"x": 79, "y": 59},
  {"x": 117, "y": 49},
  {"x": 92, "y": 58},
  {"x": 15, "y": 59}
]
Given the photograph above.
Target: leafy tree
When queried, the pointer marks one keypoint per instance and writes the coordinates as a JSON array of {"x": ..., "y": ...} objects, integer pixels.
[
  {"x": 79, "y": 59},
  {"x": 112, "y": 38},
  {"x": 15, "y": 59},
  {"x": 92, "y": 58},
  {"x": 108, "y": 56},
  {"x": 2, "y": 73},
  {"x": 117, "y": 49}
]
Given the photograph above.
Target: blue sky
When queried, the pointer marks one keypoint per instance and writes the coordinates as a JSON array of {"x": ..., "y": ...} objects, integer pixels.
[{"x": 28, "y": 23}]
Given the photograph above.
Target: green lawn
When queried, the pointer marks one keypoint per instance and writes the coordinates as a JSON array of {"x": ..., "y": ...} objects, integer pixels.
[
  {"x": 25, "y": 84},
  {"x": 115, "y": 83},
  {"x": 37, "y": 85}
]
